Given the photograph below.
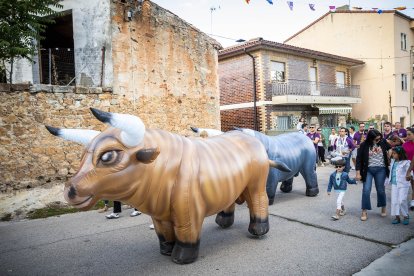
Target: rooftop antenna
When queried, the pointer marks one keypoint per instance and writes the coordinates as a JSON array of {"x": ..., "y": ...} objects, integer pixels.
[{"x": 212, "y": 9}]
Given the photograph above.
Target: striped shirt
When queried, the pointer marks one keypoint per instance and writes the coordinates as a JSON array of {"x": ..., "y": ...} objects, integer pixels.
[{"x": 376, "y": 157}]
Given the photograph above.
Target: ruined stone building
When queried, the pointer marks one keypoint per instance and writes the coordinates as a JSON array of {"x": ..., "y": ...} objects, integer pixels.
[{"x": 121, "y": 56}]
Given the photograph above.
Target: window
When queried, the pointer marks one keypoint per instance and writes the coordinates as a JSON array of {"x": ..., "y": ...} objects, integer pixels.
[
  {"x": 403, "y": 41},
  {"x": 313, "y": 77},
  {"x": 340, "y": 79},
  {"x": 277, "y": 71},
  {"x": 403, "y": 82},
  {"x": 283, "y": 122}
]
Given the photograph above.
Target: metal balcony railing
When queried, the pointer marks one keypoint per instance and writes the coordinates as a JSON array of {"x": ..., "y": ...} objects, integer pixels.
[{"x": 311, "y": 88}]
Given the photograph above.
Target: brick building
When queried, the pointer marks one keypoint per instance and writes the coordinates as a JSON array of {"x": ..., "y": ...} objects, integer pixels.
[{"x": 266, "y": 86}]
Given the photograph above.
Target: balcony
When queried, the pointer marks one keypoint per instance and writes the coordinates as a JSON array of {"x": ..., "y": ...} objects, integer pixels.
[{"x": 308, "y": 92}]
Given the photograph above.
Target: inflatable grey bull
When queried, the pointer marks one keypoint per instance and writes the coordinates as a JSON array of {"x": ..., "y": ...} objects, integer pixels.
[
  {"x": 294, "y": 150},
  {"x": 297, "y": 152}
]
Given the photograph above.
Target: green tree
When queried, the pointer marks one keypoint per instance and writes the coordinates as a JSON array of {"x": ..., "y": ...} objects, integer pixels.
[{"x": 21, "y": 23}]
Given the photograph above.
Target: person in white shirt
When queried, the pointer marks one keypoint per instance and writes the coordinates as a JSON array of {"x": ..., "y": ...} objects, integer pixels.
[
  {"x": 300, "y": 123},
  {"x": 332, "y": 138},
  {"x": 343, "y": 147}
]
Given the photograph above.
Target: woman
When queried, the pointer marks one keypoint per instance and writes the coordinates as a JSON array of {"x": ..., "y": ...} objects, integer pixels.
[
  {"x": 372, "y": 163},
  {"x": 321, "y": 148},
  {"x": 332, "y": 138},
  {"x": 300, "y": 123}
]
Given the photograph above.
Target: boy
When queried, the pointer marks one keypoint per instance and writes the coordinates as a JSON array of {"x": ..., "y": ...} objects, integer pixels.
[{"x": 339, "y": 180}]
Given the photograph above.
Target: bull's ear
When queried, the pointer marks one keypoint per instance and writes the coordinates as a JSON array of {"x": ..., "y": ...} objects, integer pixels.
[
  {"x": 147, "y": 156},
  {"x": 279, "y": 165}
]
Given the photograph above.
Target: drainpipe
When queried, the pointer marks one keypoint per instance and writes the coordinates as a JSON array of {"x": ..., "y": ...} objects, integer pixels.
[{"x": 254, "y": 90}]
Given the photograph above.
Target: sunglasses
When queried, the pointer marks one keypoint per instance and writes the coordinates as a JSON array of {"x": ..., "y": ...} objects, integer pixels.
[
  {"x": 337, "y": 167},
  {"x": 311, "y": 127},
  {"x": 377, "y": 139}
]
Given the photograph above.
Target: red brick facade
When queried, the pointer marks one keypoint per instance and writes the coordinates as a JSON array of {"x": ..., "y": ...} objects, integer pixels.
[{"x": 236, "y": 87}]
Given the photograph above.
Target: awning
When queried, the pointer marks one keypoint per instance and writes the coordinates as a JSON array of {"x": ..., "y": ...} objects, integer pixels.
[{"x": 333, "y": 108}]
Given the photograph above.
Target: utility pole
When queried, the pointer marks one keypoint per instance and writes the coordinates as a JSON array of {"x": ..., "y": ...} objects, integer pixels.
[{"x": 389, "y": 93}]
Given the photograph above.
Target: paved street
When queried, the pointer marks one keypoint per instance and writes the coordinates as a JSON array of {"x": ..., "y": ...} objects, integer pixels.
[{"x": 302, "y": 240}]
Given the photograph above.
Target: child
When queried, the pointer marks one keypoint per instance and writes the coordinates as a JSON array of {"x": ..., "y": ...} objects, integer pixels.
[
  {"x": 339, "y": 180},
  {"x": 400, "y": 186}
]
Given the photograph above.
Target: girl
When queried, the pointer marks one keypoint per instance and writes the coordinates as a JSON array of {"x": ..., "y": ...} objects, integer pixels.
[
  {"x": 409, "y": 150},
  {"x": 400, "y": 186}
]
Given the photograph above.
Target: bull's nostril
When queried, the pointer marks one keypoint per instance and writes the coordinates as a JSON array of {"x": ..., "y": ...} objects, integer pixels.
[{"x": 72, "y": 192}]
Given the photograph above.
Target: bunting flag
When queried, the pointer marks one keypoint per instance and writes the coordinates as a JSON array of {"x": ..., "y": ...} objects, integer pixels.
[
  {"x": 400, "y": 8},
  {"x": 333, "y": 8},
  {"x": 312, "y": 6}
]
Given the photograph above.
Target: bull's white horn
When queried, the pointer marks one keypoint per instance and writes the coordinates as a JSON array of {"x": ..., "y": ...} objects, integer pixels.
[
  {"x": 133, "y": 129},
  {"x": 82, "y": 136}
]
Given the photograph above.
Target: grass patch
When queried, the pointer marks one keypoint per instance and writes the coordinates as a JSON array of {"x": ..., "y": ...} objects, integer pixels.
[
  {"x": 57, "y": 209},
  {"x": 50, "y": 212}
]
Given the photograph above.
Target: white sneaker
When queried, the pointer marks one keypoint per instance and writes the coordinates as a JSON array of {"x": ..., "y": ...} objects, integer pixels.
[
  {"x": 151, "y": 226},
  {"x": 112, "y": 216},
  {"x": 135, "y": 213}
]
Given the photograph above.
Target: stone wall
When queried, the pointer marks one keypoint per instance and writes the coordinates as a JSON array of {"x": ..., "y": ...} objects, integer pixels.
[
  {"x": 164, "y": 71},
  {"x": 31, "y": 157},
  {"x": 158, "y": 54}
]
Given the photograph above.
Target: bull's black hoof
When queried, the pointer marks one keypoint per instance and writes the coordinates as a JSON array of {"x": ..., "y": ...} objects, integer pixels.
[
  {"x": 258, "y": 227},
  {"x": 271, "y": 200},
  {"x": 286, "y": 188},
  {"x": 225, "y": 220},
  {"x": 166, "y": 247},
  {"x": 185, "y": 253},
  {"x": 312, "y": 191}
]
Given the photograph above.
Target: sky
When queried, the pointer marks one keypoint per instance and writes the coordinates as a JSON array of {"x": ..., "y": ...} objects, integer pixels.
[{"x": 230, "y": 20}]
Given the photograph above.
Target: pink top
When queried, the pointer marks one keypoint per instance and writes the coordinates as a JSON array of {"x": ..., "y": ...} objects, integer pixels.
[{"x": 409, "y": 149}]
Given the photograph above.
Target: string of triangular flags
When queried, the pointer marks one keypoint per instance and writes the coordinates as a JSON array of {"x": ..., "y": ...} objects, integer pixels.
[{"x": 333, "y": 8}]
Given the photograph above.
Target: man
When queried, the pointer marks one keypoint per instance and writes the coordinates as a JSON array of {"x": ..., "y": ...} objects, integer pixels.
[
  {"x": 360, "y": 135},
  {"x": 304, "y": 128},
  {"x": 315, "y": 137},
  {"x": 387, "y": 130},
  {"x": 343, "y": 147},
  {"x": 402, "y": 133}
]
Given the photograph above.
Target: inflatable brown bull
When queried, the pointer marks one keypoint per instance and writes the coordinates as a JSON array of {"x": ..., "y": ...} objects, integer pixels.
[{"x": 176, "y": 180}]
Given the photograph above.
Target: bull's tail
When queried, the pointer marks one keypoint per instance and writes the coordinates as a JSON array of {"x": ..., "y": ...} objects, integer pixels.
[{"x": 279, "y": 165}]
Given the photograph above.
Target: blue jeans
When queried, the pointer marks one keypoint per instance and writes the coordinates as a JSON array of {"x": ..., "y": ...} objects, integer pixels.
[
  {"x": 378, "y": 174},
  {"x": 347, "y": 164}
]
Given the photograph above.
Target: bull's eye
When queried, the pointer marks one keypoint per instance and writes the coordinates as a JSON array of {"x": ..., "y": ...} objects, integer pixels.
[{"x": 109, "y": 157}]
